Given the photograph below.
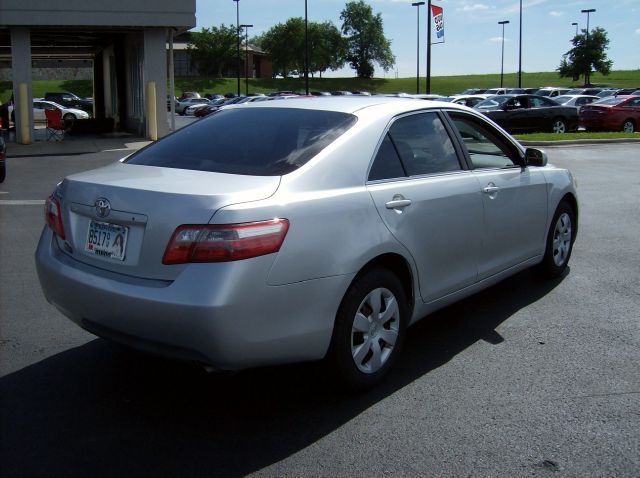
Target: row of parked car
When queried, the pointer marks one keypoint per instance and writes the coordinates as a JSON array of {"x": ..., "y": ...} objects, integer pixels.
[
  {"x": 557, "y": 109},
  {"x": 518, "y": 110}
]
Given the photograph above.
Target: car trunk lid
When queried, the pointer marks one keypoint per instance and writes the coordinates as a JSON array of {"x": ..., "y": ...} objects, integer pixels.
[{"x": 144, "y": 205}]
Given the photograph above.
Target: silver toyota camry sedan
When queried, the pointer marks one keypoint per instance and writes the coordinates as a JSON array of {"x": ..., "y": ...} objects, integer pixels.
[{"x": 322, "y": 228}]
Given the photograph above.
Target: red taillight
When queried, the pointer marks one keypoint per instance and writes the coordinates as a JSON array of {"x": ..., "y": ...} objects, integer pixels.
[
  {"x": 225, "y": 242},
  {"x": 53, "y": 216}
]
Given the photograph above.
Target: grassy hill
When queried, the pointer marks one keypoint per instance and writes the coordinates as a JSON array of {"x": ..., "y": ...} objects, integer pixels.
[{"x": 444, "y": 85}]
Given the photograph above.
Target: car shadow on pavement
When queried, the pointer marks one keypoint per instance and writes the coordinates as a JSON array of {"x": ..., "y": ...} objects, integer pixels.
[{"x": 101, "y": 410}]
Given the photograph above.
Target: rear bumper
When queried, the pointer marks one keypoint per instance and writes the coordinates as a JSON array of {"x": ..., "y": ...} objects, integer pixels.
[{"x": 224, "y": 315}]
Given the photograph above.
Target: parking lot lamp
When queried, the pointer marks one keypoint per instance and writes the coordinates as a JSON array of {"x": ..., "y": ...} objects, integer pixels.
[
  {"x": 246, "y": 57},
  {"x": 587, "y": 74},
  {"x": 417, "y": 4},
  {"x": 503, "y": 23},
  {"x": 238, "y": 40},
  {"x": 520, "y": 51},
  {"x": 306, "y": 49},
  {"x": 575, "y": 25}
]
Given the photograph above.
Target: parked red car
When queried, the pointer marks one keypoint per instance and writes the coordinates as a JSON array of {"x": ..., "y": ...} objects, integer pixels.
[{"x": 618, "y": 113}]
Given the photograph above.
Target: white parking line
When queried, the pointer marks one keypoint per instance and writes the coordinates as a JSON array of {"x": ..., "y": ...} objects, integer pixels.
[{"x": 23, "y": 202}]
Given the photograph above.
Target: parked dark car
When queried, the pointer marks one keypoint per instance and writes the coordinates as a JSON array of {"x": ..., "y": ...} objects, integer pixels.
[
  {"x": 3, "y": 156},
  {"x": 528, "y": 113},
  {"x": 70, "y": 100},
  {"x": 618, "y": 113},
  {"x": 626, "y": 91},
  {"x": 210, "y": 108}
]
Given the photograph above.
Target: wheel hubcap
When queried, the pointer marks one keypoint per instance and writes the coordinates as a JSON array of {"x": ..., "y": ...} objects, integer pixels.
[
  {"x": 375, "y": 330},
  {"x": 562, "y": 239},
  {"x": 628, "y": 127},
  {"x": 558, "y": 127}
]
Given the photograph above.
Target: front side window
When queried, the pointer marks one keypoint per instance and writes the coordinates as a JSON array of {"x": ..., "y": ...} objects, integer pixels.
[
  {"x": 248, "y": 141},
  {"x": 541, "y": 102},
  {"x": 486, "y": 147}
]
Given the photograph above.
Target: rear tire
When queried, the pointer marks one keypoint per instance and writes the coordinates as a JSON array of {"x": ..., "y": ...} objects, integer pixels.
[
  {"x": 369, "y": 329},
  {"x": 559, "y": 241},
  {"x": 629, "y": 126},
  {"x": 559, "y": 126}
]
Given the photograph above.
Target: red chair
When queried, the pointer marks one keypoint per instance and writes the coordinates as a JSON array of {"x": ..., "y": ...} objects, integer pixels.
[{"x": 55, "y": 126}]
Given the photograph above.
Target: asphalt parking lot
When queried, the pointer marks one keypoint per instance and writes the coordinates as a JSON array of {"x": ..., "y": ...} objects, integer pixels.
[{"x": 528, "y": 378}]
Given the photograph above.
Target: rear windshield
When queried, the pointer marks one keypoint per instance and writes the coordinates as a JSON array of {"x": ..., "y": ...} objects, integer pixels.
[
  {"x": 610, "y": 101},
  {"x": 249, "y": 141}
]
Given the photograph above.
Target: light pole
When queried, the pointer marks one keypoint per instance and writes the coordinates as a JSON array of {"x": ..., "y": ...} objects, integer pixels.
[
  {"x": 238, "y": 40},
  {"x": 503, "y": 23},
  {"x": 428, "y": 46},
  {"x": 246, "y": 59},
  {"x": 417, "y": 4},
  {"x": 575, "y": 25},
  {"x": 587, "y": 79},
  {"x": 520, "y": 51},
  {"x": 306, "y": 49}
]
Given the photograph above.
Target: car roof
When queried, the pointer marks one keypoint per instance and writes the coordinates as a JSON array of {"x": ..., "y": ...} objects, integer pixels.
[{"x": 354, "y": 103}]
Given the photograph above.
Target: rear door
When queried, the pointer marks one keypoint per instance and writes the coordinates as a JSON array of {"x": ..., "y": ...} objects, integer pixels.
[{"x": 429, "y": 202}]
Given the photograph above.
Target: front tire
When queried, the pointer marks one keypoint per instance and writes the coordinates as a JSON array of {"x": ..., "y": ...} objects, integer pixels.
[
  {"x": 369, "y": 329},
  {"x": 559, "y": 126},
  {"x": 69, "y": 117},
  {"x": 559, "y": 241}
]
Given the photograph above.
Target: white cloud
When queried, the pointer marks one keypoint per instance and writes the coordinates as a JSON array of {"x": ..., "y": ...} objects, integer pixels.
[
  {"x": 555, "y": 13},
  {"x": 498, "y": 40},
  {"x": 638, "y": 31},
  {"x": 472, "y": 7}
]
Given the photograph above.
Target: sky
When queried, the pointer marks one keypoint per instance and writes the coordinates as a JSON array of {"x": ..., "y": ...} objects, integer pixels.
[{"x": 473, "y": 37}]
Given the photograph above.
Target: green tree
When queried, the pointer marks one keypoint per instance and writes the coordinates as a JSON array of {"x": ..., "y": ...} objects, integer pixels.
[
  {"x": 327, "y": 48},
  {"x": 586, "y": 55},
  {"x": 213, "y": 49},
  {"x": 366, "y": 42},
  {"x": 285, "y": 42}
]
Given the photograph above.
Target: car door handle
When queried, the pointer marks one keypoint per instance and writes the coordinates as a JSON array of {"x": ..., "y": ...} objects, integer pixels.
[
  {"x": 398, "y": 203},
  {"x": 491, "y": 189}
]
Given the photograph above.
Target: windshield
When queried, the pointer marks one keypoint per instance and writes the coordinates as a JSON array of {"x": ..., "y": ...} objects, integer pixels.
[
  {"x": 249, "y": 141},
  {"x": 493, "y": 102}
]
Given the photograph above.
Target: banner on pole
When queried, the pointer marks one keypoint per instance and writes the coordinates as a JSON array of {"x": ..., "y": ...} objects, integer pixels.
[{"x": 438, "y": 19}]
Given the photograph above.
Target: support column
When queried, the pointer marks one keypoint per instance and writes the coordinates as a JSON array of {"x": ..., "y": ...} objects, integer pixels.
[
  {"x": 155, "y": 70},
  {"x": 22, "y": 93}
]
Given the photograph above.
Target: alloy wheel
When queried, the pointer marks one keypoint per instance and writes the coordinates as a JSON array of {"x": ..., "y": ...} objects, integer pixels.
[
  {"x": 375, "y": 330},
  {"x": 562, "y": 239},
  {"x": 559, "y": 126}
]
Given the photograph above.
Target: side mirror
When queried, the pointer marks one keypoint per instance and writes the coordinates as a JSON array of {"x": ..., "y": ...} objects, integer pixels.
[{"x": 535, "y": 157}]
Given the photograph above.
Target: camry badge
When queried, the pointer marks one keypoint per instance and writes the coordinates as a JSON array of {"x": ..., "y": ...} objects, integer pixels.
[{"x": 103, "y": 207}]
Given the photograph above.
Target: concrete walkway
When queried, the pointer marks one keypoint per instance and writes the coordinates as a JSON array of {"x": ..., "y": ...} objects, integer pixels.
[{"x": 72, "y": 145}]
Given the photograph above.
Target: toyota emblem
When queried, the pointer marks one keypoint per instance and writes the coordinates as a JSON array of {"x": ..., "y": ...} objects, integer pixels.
[{"x": 103, "y": 207}]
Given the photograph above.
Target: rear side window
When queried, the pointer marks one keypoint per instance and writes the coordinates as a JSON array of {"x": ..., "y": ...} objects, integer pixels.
[
  {"x": 248, "y": 141},
  {"x": 423, "y": 145}
]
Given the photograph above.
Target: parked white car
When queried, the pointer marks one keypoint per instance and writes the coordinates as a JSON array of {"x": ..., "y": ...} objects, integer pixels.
[
  {"x": 182, "y": 105},
  {"x": 39, "y": 107},
  {"x": 576, "y": 100}
]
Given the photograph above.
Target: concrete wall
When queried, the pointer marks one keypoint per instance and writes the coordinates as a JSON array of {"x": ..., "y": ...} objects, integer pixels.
[
  {"x": 134, "y": 13},
  {"x": 52, "y": 73}
]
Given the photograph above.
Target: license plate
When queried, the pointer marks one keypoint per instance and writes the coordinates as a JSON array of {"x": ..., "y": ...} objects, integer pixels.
[{"x": 107, "y": 240}]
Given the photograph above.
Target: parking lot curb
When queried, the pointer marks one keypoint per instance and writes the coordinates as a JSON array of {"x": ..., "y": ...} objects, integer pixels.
[{"x": 574, "y": 142}]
